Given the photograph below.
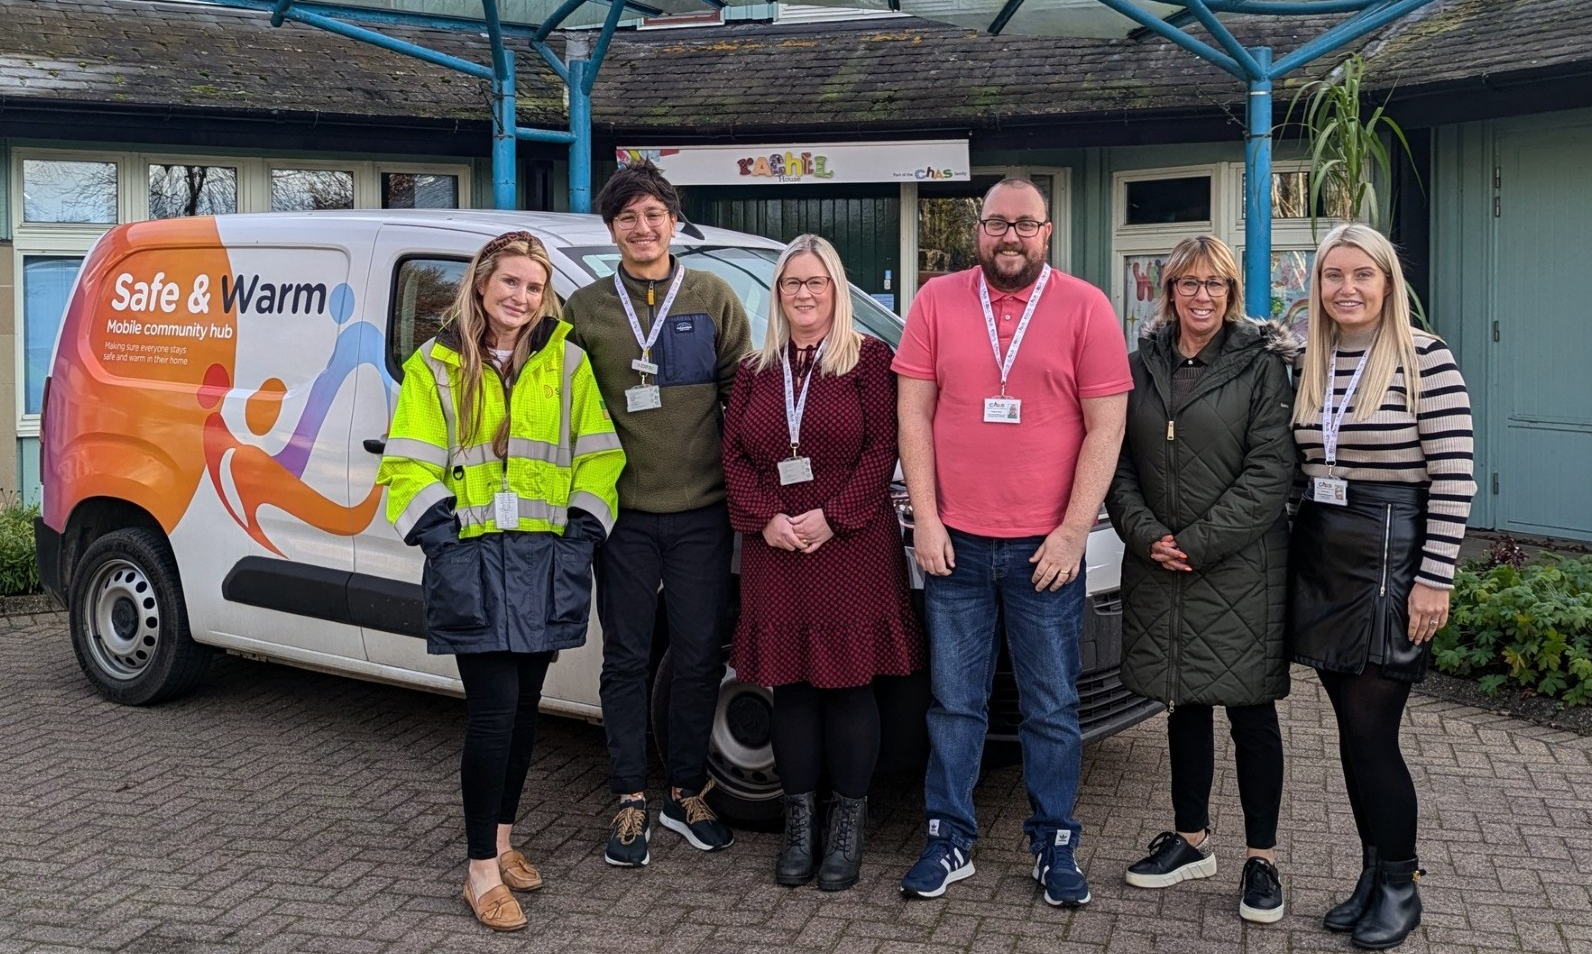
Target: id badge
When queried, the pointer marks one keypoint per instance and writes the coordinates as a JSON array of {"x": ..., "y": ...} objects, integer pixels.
[
  {"x": 1330, "y": 490},
  {"x": 506, "y": 510},
  {"x": 644, "y": 366},
  {"x": 643, "y": 397},
  {"x": 795, "y": 470},
  {"x": 1003, "y": 410}
]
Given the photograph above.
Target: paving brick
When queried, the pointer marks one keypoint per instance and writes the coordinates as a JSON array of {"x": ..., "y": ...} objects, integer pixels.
[{"x": 275, "y": 810}]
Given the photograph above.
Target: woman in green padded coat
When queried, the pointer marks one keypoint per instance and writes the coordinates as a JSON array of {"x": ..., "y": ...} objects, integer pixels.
[{"x": 1199, "y": 498}]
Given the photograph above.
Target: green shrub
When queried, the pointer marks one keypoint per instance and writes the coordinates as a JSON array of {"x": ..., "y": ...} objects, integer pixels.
[
  {"x": 19, "y": 570},
  {"x": 1527, "y": 626}
]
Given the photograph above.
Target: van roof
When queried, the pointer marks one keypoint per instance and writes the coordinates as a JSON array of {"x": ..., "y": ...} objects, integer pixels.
[{"x": 564, "y": 229}]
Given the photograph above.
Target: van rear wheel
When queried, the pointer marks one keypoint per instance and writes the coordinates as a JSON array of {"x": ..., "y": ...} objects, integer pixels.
[
  {"x": 746, "y": 790},
  {"x": 129, "y": 626}
]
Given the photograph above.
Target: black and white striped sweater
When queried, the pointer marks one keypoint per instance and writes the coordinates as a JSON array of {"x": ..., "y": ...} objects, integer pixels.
[{"x": 1433, "y": 446}]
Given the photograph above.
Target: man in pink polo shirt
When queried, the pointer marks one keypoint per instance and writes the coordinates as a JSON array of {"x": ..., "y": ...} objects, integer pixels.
[{"x": 1013, "y": 394}]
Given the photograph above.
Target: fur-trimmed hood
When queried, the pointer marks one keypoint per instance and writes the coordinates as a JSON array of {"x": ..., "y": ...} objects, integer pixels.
[{"x": 1274, "y": 335}]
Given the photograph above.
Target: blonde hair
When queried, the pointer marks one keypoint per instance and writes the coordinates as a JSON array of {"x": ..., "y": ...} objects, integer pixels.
[
  {"x": 1393, "y": 347},
  {"x": 1186, "y": 258},
  {"x": 844, "y": 345},
  {"x": 468, "y": 313}
]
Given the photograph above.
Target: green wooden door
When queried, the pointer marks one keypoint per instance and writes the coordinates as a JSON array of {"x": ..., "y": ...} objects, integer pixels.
[
  {"x": 864, "y": 225},
  {"x": 1541, "y": 423}
]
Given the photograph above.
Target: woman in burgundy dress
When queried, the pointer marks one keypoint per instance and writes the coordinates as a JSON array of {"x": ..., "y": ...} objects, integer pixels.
[{"x": 809, "y": 449}]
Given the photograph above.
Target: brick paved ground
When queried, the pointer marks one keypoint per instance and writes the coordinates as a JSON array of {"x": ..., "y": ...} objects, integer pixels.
[{"x": 277, "y": 810}]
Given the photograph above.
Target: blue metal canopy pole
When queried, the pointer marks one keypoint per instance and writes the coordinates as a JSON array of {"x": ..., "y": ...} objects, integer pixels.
[{"x": 1257, "y": 189}]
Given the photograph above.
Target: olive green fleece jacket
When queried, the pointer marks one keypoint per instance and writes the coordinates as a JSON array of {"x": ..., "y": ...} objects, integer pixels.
[{"x": 673, "y": 456}]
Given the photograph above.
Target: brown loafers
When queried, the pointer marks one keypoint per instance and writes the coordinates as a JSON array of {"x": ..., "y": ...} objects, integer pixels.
[
  {"x": 497, "y": 909},
  {"x": 518, "y": 873}
]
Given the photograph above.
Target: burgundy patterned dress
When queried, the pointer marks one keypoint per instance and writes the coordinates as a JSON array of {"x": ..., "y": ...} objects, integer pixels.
[{"x": 841, "y": 615}]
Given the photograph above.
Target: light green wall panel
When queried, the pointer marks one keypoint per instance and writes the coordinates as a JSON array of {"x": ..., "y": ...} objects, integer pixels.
[{"x": 29, "y": 483}]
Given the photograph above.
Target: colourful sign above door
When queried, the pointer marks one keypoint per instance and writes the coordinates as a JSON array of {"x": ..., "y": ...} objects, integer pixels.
[{"x": 942, "y": 160}]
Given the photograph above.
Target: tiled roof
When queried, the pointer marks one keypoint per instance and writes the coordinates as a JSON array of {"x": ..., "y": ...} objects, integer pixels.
[
  {"x": 1465, "y": 39},
  {"x": 883, "y": 74},
  {"x": 845, "y": 78},
  {"x": 144, "y": 53}
]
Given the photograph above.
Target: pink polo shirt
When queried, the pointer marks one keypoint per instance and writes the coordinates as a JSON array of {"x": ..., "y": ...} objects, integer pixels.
[{"x": 1011, "y": 480}]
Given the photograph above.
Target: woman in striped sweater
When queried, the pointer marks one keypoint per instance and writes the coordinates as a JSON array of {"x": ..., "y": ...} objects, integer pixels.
[{"x": 1387, "y": 462}]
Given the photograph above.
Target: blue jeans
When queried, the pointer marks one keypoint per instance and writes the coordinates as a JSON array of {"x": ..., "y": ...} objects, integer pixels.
[{"x": 1042, "y": 631}]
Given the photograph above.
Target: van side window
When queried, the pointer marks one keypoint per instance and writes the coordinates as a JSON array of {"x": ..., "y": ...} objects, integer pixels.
[{"x": 422, "y": 293}]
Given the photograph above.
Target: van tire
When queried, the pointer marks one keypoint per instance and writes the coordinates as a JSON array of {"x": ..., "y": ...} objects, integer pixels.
[
  {"x": 746, "y": 789},
  {"x": 128, "y": 622}
]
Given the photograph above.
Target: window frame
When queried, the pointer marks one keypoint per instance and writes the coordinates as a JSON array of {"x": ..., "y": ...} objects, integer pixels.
[{"x": 395, "y": 364}]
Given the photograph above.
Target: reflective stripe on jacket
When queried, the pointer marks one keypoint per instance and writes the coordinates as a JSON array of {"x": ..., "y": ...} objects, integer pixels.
[{"x": 562, "y": 450}]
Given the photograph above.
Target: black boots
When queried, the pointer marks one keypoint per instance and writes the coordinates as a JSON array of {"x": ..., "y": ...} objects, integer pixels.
[
  {"x": 843, "y": 850},
  {"x": 1348, "y": 913},
  {"x": 798, "y": 854},
  {"x": 1395, "y": 907}
]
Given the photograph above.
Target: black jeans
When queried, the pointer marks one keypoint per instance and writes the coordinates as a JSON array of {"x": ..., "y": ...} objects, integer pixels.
[
  {"x": 1257, "y": 747},
  {"x": 501, "y": 693},
  {"x": 689, "y": 553}
]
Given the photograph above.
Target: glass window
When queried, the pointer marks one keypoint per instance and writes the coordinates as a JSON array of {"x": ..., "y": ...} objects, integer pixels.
[
  {"x": 1168, "y": 201},
  {"x": 749, "y": 271},
  {"x": 948, "y": 225},
  {"x": 423, "y": 291},
  {"x": 181, "y": 190},
  {"x": 1290, "y": 197},
  {"x": 306, "y": 190},
  {"x": 46, "y": 284},
  {"x": 419, "y": 190},
  {"x": 61, "y": 190}
]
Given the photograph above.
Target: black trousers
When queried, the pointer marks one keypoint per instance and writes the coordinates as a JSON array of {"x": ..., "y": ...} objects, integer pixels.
[
  {"x": 501, "y": 693},
  {"x": 1257, "y": 747},
  {"x": 689, "y": 553}
]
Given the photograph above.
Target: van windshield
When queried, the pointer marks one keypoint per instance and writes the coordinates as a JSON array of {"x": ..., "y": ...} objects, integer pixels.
[{"x": 750, "y": 271}]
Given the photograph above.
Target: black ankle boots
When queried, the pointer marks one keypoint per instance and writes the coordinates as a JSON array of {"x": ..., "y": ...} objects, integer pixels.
[
  {"x": 1347, "y": 914},
  {"x": 798, "y": 853},
  {"x": 1394, "y": 909},
  {"x": 848, "y": 817}
]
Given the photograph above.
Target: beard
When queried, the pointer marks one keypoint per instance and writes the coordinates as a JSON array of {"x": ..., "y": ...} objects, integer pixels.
[{"x": 1010, "y": 277}]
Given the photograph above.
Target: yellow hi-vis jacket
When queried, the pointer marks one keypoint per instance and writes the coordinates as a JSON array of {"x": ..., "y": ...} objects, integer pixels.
[
  {"x": 562, "y": 453},
  {"x": 484, "y": 589}
]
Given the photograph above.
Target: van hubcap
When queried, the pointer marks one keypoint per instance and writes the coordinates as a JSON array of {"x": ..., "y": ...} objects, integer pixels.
[{"x": 123, "y": 620}]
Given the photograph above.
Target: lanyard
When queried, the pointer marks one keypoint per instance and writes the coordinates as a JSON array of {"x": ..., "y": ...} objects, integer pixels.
[
  {"x": 1332, "y": 420},
  {"x": 1022, "y": 326},
  {"x": 794, "y": 408},
  {"x": 646, "y": 342}
]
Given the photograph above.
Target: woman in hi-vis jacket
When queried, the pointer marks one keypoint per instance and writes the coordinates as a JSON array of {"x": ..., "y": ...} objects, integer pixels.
[{"x": 501, "y": 465}]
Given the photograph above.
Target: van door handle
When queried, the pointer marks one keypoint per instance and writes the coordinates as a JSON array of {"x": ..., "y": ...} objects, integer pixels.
[{"x": 376, "y": 445}]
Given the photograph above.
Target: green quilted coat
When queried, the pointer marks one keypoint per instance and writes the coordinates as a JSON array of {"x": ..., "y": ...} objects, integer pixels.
[{"x": 1213, "y": 471}]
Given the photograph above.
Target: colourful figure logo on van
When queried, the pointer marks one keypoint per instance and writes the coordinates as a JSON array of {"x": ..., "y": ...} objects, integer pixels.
[
  {"x": 156, "y": 317},
  {"x": 258, "y": 478}
]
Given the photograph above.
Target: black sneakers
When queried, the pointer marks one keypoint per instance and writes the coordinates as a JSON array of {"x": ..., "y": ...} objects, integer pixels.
[
  {"x": 629, "y": 834},
  {"x": 1172, "y": 860},
  {"x": 1262, "y": 898},
  {"x": 694, "y": 820}
]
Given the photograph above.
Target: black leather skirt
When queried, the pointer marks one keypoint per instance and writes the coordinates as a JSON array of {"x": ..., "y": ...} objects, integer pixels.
[{"x": 1350, "y": 570}]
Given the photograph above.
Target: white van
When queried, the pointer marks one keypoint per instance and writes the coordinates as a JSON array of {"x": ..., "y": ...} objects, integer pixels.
[{"x": 213, "y": 420}]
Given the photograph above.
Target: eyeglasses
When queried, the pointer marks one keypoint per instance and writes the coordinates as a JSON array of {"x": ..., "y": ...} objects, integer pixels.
[
  {"x": 653, "y": 217},
  {"x": 814, "y": 285},
  {"x": 1189, "y": 287},
  {"x": 995, "y": 228}
]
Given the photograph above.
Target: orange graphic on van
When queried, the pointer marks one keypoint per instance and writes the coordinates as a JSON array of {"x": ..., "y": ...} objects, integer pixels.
[{"x": 147, "y": 361}]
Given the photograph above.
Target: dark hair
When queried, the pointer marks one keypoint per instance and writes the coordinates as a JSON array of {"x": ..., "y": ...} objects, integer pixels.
[{"x": 631, "y": 182}]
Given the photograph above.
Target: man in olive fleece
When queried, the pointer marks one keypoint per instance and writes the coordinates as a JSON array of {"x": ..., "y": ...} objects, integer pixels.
[{"x": 664, "y": 341}]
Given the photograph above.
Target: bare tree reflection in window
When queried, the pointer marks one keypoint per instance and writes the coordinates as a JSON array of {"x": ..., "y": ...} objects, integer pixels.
[
  {"x": 418, "y": 190},
  {"x": 61, "y": 190},
  {"x": 308, "y": 190},
  {"x": 177, "y": 190}
]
